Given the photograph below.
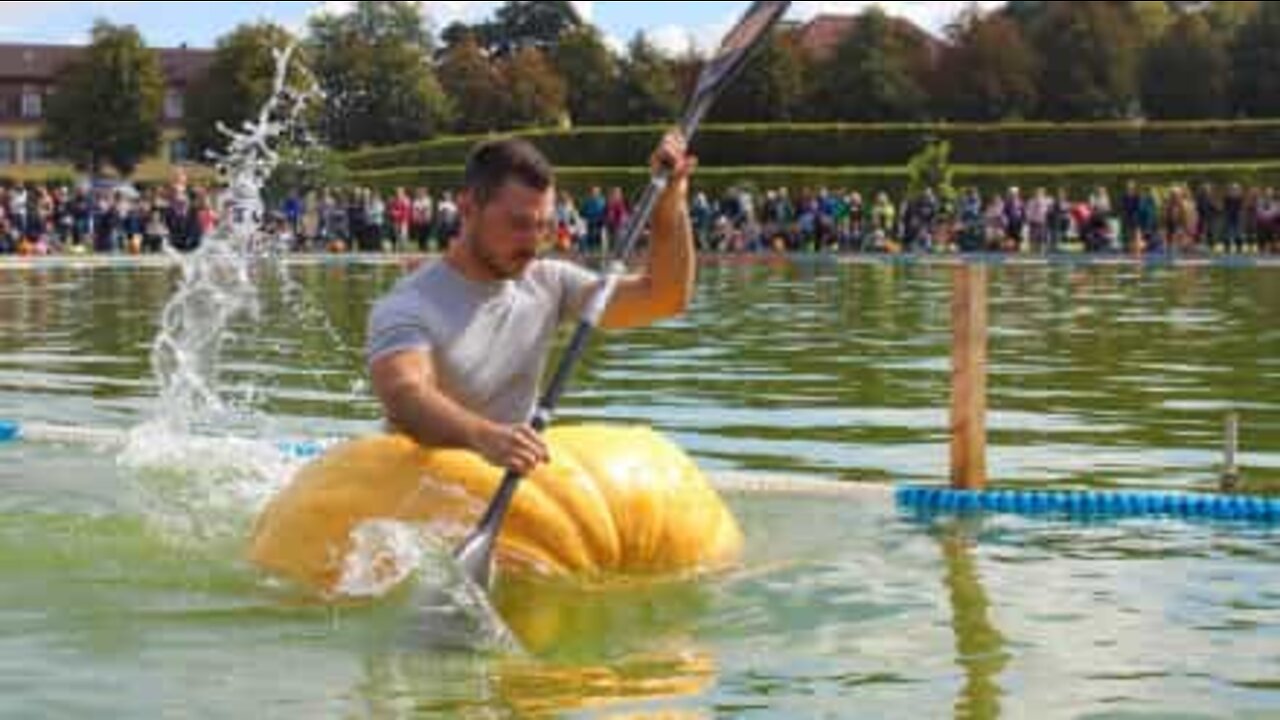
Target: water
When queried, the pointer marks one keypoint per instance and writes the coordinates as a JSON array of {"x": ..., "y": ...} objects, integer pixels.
[{"x": 126, "y": 592}]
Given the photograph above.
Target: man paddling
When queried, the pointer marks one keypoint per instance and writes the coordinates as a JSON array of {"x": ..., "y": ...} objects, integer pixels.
[{"x": 456, "y": 350}]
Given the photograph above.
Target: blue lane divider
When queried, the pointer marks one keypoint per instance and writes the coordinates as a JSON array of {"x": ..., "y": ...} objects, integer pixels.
[
  {"x": 1084, "y": 505},
  {"x": 302, "y": 450},
  {"x": 13, "y": 432}
]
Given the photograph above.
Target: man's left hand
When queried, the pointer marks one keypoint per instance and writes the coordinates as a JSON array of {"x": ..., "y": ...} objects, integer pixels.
[{"x": 673, "y": 153}]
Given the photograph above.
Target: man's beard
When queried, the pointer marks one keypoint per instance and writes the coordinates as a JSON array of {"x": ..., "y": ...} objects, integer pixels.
[{"x": 493, "y": 264}]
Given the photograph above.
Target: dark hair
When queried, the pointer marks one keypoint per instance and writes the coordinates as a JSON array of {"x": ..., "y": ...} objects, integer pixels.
[{"x": 493, "y": 163}]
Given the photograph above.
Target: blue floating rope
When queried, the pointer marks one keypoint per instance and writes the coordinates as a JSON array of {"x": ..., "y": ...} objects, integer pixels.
[
  {"x": 14, "y": 432},
  {"x": 1088, "y": 504}
]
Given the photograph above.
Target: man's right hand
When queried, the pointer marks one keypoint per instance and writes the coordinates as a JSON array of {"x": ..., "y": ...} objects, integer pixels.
[{"x": 513, "y": 447}]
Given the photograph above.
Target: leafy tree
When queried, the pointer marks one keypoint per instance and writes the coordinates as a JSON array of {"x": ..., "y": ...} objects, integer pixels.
[
  {"x": 474, "y": 86},
  {"x": 106, "y": 110},
  {"x": 770, "y": 88},
  {"x": 534, "y": 91},
  {"x": 374, "y": 67},
  {"x": 532, "y": 24},
  {"x": 1185, "y": 75},
  {"x": 988, "y": 72},
  {"x": 237, "y": 83},
  {"x": 1090, "y": 61},
  {"x": 646, "y": 91},
  {"x": 871, "y": 77},
  {"x": 590, "y": 73},
  {"x": 1255, "y": 60}
]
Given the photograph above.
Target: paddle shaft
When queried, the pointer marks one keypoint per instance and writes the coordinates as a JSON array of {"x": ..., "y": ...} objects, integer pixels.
[
  {"x": 497, "y": 510},
  {"x": 475, "y": 554}
]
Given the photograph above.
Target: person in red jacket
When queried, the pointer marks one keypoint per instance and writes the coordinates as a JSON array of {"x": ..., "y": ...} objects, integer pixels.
[{"x": 401, "y": 214}]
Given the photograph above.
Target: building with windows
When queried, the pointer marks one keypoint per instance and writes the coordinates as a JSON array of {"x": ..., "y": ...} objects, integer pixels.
[{"x": 27, "y": 77}]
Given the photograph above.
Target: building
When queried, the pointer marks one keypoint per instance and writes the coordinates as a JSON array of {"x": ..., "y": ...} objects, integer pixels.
[
  {"x": 27, "y": 77},
  {"x": 820, "y": 37}
]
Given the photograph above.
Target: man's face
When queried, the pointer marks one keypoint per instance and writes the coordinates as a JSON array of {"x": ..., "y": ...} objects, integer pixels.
[{"x": 505, "y": 232}]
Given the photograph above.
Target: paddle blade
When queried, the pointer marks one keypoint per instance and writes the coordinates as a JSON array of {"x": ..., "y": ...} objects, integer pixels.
[
  {"x": 475, "y": 556},
  {"x": 737, "y": 45}
]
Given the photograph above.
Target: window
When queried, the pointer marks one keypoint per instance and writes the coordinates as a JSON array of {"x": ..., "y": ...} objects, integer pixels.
[
  {"x": 174, "y": 105},
  {"x": 8, "y": 154},
  {"x": 178, "y": 151},
  {"x": 32, "y": 103},
  {"x": 34, "y": 151}
]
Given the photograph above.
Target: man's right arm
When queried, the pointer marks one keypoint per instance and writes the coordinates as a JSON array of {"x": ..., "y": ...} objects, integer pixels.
[{"x": 405, "y": 383}]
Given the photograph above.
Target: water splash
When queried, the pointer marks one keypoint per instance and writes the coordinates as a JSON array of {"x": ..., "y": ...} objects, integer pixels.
[
  {"x": 201, "y": 478},
  {"x": 217, "y": 285}
]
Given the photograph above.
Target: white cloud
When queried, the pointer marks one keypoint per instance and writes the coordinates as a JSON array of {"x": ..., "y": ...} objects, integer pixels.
[
  {"x": 333, "y": 7},
  {"x": 25, "y": 20},
  {"x": 442, "y": 13},
  {"x": 934, "y": 16},
  {"x": 676, "y": 40},
  {"x": 615, "y": 43},
  {"x": 672, "y": 37},
  {"x": 929, "y": 15},
  {"x": 11, "y": 11}
]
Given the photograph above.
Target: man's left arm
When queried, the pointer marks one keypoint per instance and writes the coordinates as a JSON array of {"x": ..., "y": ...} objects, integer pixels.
[{"x": 666, "y": 285}]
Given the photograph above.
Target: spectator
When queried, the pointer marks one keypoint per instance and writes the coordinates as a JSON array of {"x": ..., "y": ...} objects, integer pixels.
[
  {"x": 423, "y": 217},
  {"x": 1233, "y": 219},
  {"x": 594, "y": 212},
  {"x": 400, "y": 212}
]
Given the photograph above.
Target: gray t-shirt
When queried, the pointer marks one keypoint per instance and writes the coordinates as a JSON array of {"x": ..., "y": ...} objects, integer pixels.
[{"x": 488, "y": 341}]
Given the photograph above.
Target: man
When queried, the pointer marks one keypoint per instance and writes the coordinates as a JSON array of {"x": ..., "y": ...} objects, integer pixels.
[{"x": 457, "y": 350}]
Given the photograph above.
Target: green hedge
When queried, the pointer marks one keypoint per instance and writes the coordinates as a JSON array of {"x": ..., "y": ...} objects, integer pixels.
[
  {"x": 880, "y": 145},
  {"x": 1079, "y": 179}
]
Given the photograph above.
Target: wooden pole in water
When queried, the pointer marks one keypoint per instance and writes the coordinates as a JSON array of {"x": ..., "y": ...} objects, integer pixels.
[
  {"x": 1230, "y": 480},
  {"x": 969, "y": 378}
]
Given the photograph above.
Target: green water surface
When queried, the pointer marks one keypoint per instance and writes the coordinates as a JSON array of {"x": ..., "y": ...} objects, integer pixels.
[{"x": 125, "y": 592}]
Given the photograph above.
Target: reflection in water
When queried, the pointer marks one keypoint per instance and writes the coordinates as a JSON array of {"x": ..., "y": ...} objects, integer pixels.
[
  {"x": 980, "y": 647},
  {"x": 567, "y": 623},
  {"x": 617, "y": 649},
  {"x": 450, "y": 686}
]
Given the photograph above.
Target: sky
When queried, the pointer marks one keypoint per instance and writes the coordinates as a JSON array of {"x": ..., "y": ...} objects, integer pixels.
[{"x": 199, "y": 24}]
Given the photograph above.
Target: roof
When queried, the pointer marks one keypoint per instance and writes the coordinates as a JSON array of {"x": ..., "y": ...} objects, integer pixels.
[
  {"x": 820, "y": 37},
  {"x": 40, "y": 63}
]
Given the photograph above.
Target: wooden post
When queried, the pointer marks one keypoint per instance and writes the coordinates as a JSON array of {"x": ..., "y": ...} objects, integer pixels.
[
  {"x": 1230, "y": 481},
  {"x": 969, "y": 378}
]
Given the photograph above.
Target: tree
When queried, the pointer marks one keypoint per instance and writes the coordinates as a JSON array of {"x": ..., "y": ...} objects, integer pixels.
[
  {"x": 930, "y": 169},
  {"x": 381, "y": 21},
  {"x": 770, "y": 88},
  {"x": 534, "y": 92},
  {"x": 1255, "y": 60},
  {"x": 237, "y": 83},
  {"x": 532, "y": 24},
  {"x": 1026, "y": 13},
  {"x": 1090, "y": 62},
  {"x": 871, "y": 77},
  {"x": 590, "y": 73},
  {"x": 646, "y": 91},
  {"x": 1151, "y": 17},
  {"x": 474, "y": 85},
  {"x": 1227, "y": 17},
  {"x": 373, "y": 65},
  {"x": 1185, "y": 75},
  {"x": 988, "y": 71},
  {"x": 106, "y": 110}
]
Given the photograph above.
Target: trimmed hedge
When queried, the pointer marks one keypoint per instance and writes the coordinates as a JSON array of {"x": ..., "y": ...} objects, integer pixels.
[
  {"x": 1079, "y": 179},
  {"x": 837, "y": 145}
]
